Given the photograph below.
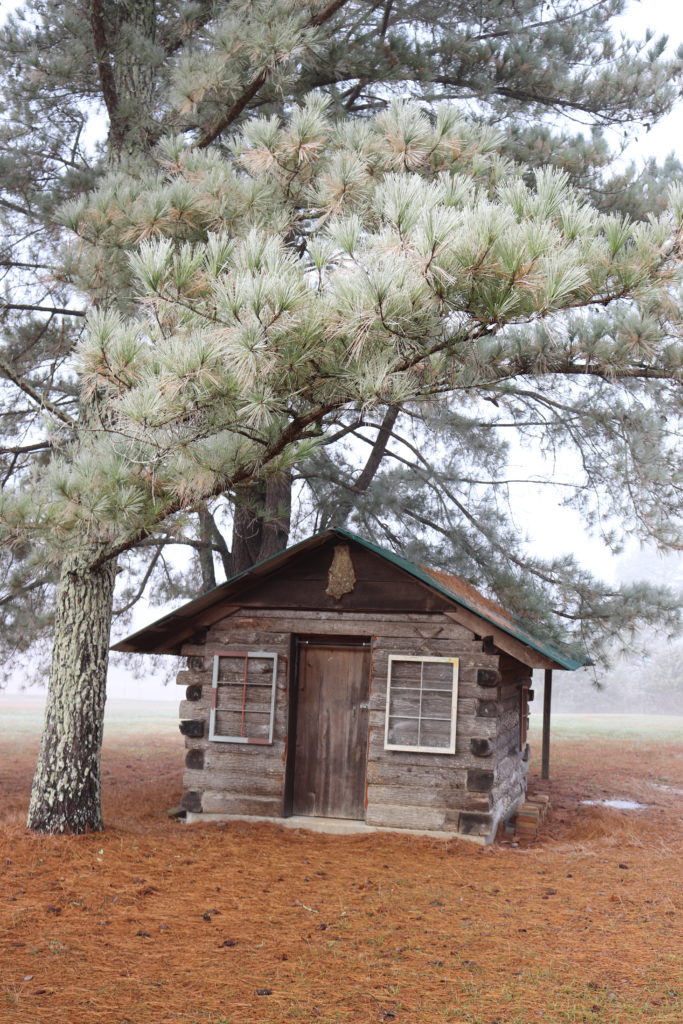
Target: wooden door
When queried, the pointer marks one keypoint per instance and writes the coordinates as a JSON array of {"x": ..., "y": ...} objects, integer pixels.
[{"x": 331, "y": 731}]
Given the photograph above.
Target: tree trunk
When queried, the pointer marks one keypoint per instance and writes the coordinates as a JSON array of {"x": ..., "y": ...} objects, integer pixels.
[
  {"x": 261, "y": 522},
  {"x": 66, "y": 784},
  {"x": 206, "y": 553}
]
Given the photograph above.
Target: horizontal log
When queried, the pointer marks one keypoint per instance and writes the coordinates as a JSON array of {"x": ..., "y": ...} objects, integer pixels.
[
  {"x": 243, "y": 639},
  {"x": 187, "y": 677},
  {"x": 227, "y": 803},
  {"x": 259, "y": 784},
  {"x": 194, "y": 759},
  {"x": 327, "y": 615},
  {"x": 475, "y": 823},
  {"x": 392, "y": 816},
  {"x": 357, "y": 622},
  {"x": 192, "y": 727},
  {"x": 409, "y": 796},
  {"x": 462, "y": 758},
  {"x": 479, "y": 780},
  {"x": 191, "y": 801},
  {"x": 481, "y": 747},
  {"x": 488, "y": 677},
  {"x": 468, "y": 655},
  {"x": 357, "y": 625},
  {"x": 509, "y": 692},
  {"x": 474, "y": 802},
  {"x": 246, "y": 758},
  {"x": 386, "y": 772}
]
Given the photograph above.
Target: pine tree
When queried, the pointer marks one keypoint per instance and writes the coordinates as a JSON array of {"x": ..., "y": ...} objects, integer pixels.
[
  {"x": 199, "y": 70},
  {"x": 349, "y": 265}
]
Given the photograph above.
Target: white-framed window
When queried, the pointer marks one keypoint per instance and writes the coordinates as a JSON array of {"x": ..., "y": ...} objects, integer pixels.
[
  {"x": 422, "y": 702},
  {"x": 243, "y": 697}
]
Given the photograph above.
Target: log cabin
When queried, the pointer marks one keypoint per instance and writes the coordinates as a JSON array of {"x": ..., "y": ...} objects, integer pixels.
[{"x": 338, "y": 685}]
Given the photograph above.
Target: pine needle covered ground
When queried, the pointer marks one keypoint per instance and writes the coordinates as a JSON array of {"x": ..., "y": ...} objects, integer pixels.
[{"x": 154, "y": 922}]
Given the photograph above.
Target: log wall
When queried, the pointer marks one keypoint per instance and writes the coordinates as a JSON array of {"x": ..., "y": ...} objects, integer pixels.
[{"x": 468, "y": 792}]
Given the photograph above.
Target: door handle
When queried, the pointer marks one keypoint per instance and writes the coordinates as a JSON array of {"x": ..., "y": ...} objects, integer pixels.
[{"x": 363, "y": 706}]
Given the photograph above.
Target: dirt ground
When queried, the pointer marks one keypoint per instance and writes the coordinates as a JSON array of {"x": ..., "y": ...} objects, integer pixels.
[{"x": 156, "y": 922}]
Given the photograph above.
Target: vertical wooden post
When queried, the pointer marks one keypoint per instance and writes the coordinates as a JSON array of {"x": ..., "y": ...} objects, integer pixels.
[{"x": 547, "y": 698}]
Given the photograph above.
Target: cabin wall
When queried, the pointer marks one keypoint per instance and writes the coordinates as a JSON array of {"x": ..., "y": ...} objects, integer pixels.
[{"x": 467, "y": 792}]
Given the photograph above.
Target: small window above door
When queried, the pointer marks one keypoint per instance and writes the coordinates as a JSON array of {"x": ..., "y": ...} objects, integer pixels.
[{"x": 422, "y": 701}]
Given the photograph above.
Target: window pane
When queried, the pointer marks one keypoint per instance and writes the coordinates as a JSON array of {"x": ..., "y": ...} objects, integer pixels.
[
  {"x": 228, "y": 723},
  {"x": 438, "y": 674},
  {"x": 230, "y": 670},
  {"x": 436, "y": 705},
  {"x": 403, "y": 732},
  {"x": 406, "y": 673},
  {"x": 260, "y": 671},
  {"x": 404, "y": 702},
  {"x": 435, "y": 734}
]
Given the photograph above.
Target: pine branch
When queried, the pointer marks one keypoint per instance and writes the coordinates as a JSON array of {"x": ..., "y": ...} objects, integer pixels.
[
  {"x": 15, "y": 207},
  {"x": 233, "y": 112}
]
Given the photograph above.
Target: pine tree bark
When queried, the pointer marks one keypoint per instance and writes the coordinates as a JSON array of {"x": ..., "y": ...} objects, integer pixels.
[{"x": 66, "y": 785}]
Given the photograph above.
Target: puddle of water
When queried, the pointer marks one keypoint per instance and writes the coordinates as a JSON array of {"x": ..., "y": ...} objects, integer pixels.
[
  {"x": 620, "y": 805},
  {"x": 668, "y": 789}
]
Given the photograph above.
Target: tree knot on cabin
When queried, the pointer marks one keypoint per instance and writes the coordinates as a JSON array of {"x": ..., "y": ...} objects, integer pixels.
[{"x": 342, "y": 578}]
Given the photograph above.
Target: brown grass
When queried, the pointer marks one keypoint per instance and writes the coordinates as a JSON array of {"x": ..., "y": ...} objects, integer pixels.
[{"x": 153, "y": 922}]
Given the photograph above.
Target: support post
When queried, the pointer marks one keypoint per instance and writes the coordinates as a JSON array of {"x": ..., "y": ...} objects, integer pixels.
[{"x": 547, "y": 698}]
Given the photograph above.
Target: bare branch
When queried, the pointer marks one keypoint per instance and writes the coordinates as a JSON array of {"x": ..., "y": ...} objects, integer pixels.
[
  {"x": 26, "y": 588},
  {"x": 33, "y": 393},
  {"x": 145, "y": 580},
  {"x": 23, "y": 449},
  {"x": 53, "y": 310}
]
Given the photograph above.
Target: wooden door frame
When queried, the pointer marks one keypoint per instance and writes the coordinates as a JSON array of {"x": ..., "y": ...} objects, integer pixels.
[{"x": 296, "y": 641}]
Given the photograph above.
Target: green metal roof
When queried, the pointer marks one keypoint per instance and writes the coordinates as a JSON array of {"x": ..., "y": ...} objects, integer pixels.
[{"x": 451, "y": 587}]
